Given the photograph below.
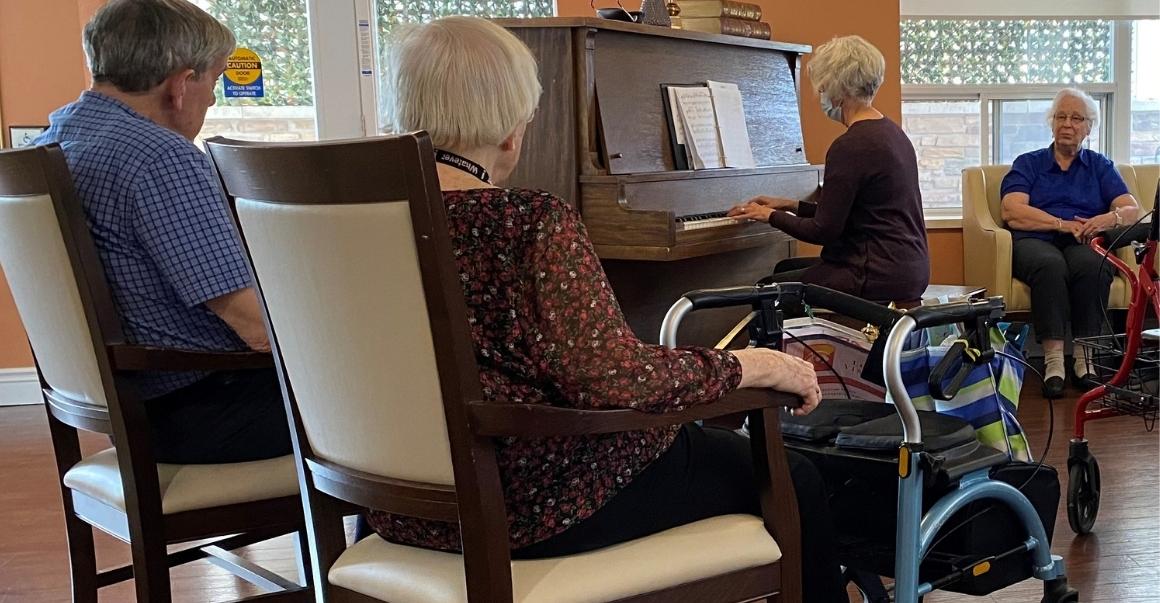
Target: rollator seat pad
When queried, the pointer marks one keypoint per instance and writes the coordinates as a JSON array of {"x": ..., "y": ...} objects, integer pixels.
[
  {"x": 939, "y": 432},
  {"x": 830, "y": 417},
  {"x": 874, "y": 426}
]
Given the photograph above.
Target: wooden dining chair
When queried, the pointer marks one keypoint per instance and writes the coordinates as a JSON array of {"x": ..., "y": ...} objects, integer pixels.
[
  {"x": 350, "y": 247},
  {"x": 85, "y": 366}
]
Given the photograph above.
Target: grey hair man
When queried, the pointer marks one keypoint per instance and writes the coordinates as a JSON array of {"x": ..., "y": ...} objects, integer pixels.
[{"x": 176, "y": 270}]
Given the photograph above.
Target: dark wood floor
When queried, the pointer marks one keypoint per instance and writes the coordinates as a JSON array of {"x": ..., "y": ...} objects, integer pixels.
[{"x": 1119, "y": 563}]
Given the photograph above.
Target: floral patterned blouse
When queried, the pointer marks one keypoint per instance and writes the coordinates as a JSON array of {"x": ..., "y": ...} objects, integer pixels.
[{"x": 548, "y": 330}]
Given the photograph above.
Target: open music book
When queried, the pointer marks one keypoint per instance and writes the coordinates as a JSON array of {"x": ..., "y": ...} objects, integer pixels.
[{"x": 707, "y": 126}]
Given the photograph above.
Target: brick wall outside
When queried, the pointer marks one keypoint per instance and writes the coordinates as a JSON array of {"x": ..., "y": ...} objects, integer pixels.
[
  {"x": 266, "y": 124},
  {"x": 945, "y": 135},
  {"x": 1145, "y": 145}
]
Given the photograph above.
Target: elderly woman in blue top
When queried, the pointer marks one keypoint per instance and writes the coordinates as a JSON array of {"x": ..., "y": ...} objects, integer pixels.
[{"x": 1055, "y": 200}]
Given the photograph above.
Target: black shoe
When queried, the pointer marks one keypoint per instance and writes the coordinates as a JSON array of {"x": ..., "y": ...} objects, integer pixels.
[
  {"x": 1053, "y": 387},
  {"x": 1086, "y": 382}
]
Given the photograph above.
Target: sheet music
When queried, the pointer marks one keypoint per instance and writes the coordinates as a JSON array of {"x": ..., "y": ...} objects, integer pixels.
[
  {"x": 679, "y": 125},
  {"x": 702, "y": 139},
  {"x": 735, "y": 148}
]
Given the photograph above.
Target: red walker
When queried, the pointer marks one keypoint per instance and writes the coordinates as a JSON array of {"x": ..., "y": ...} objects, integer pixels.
[{"x": 1132, "y": 390}]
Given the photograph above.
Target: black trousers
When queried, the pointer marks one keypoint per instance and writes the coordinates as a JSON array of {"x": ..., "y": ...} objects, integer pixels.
[
  {"x": 708, "y": 471},
  {"x": 1069, "y": 282},
  {"x": 227, "y": 417},
  {"x": 791, "y": 270}
]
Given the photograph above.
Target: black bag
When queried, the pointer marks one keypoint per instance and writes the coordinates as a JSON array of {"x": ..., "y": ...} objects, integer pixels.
[
  {"x": 865, "y": 511},
  {"x": 855, "y": 447}
]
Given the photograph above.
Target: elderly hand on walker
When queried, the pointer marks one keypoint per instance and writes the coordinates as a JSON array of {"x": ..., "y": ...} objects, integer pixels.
[{"x": 765, "y": 368}]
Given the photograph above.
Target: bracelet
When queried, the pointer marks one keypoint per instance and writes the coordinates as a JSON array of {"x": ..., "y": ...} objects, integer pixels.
[
  {"x": 1119, "y": 218},
  {"x": 1058, "y": 225}
]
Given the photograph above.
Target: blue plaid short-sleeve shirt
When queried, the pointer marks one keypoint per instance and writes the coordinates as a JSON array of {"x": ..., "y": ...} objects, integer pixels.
[{"x": 160, "y": 225}]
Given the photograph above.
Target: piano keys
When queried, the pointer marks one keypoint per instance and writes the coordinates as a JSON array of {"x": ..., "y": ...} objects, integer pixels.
[{"x": 713, "y": 219}]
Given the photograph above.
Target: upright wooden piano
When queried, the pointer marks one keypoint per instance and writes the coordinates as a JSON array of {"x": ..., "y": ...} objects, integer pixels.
[{"x": 600, "y": 140}]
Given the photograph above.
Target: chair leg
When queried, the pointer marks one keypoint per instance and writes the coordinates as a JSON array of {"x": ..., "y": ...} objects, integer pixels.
[
  {"x": 302, "y": 556},
  {"x": 151, "y": 569},
  {"x": 82, "y": 558}
]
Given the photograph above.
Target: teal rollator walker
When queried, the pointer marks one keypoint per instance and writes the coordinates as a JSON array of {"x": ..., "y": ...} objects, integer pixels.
[{"x": 943, "y": 475}]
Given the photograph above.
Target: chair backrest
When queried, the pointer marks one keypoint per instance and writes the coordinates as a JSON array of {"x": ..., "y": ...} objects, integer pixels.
[
  {"x": 992, "y": 180},
  {"x": 54, "y": 273},
  {"x": 1147, "y": 177},
  {"x": 351, "y": 253},
  {"x": 1142, "y": 183}
]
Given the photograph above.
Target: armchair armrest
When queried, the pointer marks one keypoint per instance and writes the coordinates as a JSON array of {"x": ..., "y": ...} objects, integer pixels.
[
  {"x": 779, "y": 508},
  {"x": 986, "y": 244},
  {"x": 498, "y": 419},
  {"x": 126, "y": 357}
]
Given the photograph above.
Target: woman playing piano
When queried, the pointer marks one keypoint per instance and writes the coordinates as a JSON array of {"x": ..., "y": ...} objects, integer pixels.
[
  {"x": 548, "y": 330},
  {"x": 868, "y": 219}
]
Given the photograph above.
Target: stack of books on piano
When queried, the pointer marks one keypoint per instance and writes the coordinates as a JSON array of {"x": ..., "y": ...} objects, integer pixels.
[{"x": 724, "y": 17}]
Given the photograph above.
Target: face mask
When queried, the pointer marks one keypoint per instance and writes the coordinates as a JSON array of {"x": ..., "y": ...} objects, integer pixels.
[{"x": 831, "y": 111}]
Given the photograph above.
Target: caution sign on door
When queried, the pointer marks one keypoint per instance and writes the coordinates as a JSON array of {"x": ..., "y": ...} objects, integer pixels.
[{"x": 243, "y": 76}]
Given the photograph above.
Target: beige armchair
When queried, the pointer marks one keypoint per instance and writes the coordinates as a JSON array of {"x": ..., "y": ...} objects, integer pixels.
[{"x": 987, "y": 242}]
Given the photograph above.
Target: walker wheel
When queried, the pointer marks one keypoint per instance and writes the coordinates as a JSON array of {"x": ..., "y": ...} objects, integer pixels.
[
  {"x": 1057, "y": 591},
  {"x": 1072, "y": 596},
  {"x": 1083, "y": 495}
]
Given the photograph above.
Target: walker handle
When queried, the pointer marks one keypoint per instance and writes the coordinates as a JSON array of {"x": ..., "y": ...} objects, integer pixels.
[
  {"x": 958, "y": 360},
  {"x": 851, "y": 306},
  {"x": 946, "y": 314},
  {"x": 749, "y": 295}
]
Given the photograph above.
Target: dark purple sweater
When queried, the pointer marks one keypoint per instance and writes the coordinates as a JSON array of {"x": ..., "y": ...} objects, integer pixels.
[{"x": 868, "y": 219}]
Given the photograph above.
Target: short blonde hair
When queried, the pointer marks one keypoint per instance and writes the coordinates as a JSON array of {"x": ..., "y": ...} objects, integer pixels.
[
  {"x": 847, "y": 67},
  {"x": 467, "y": 81},
  {"x": 1091, "y": 107}
]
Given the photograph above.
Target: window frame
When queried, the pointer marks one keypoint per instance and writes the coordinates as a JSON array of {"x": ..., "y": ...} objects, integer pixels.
[{"x": 344, "y": 58}]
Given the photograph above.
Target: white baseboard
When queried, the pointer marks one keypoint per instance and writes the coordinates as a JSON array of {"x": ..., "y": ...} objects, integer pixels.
[{"x": 19, "y": 386}]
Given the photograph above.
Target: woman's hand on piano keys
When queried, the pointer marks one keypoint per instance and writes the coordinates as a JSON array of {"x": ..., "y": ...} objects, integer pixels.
[
  {"x": 762, "y": 367},
  {"x": 761, "y": 207}
]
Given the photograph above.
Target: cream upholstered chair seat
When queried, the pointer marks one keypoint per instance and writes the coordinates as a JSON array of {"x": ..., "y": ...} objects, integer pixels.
[
  {"x": 987, "y": 242},
  {"x": 188, "y": 487},
  {"x": 710, "y": 547}
]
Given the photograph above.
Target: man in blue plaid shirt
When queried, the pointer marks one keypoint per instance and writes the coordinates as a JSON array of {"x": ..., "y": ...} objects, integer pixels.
[{"x": 177, "y": 272}]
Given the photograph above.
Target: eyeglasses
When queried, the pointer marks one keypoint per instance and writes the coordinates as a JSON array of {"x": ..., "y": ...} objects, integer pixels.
[{"x": 1075, "y": 119}]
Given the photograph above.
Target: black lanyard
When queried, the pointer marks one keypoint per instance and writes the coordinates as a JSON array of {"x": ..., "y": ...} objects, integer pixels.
[{"x": 462, "y": 163}]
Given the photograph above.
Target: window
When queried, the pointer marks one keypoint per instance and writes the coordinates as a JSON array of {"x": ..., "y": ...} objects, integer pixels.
[
  {"x": 1021, "y": 126},
  {"x": 946, "y": 135},
  {"x": 1144, "y": 145},
  {"x": 978, "y": 91},
  {"x": 955, "y": 52},
  {"x": 389, "y": 13},
  {"x": 277, "y": 31}
]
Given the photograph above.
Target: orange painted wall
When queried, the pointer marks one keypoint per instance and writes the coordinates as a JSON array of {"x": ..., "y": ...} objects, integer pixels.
[
  {"x": 13, "y": 343},
  {"x": 38, "y": 73}
]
